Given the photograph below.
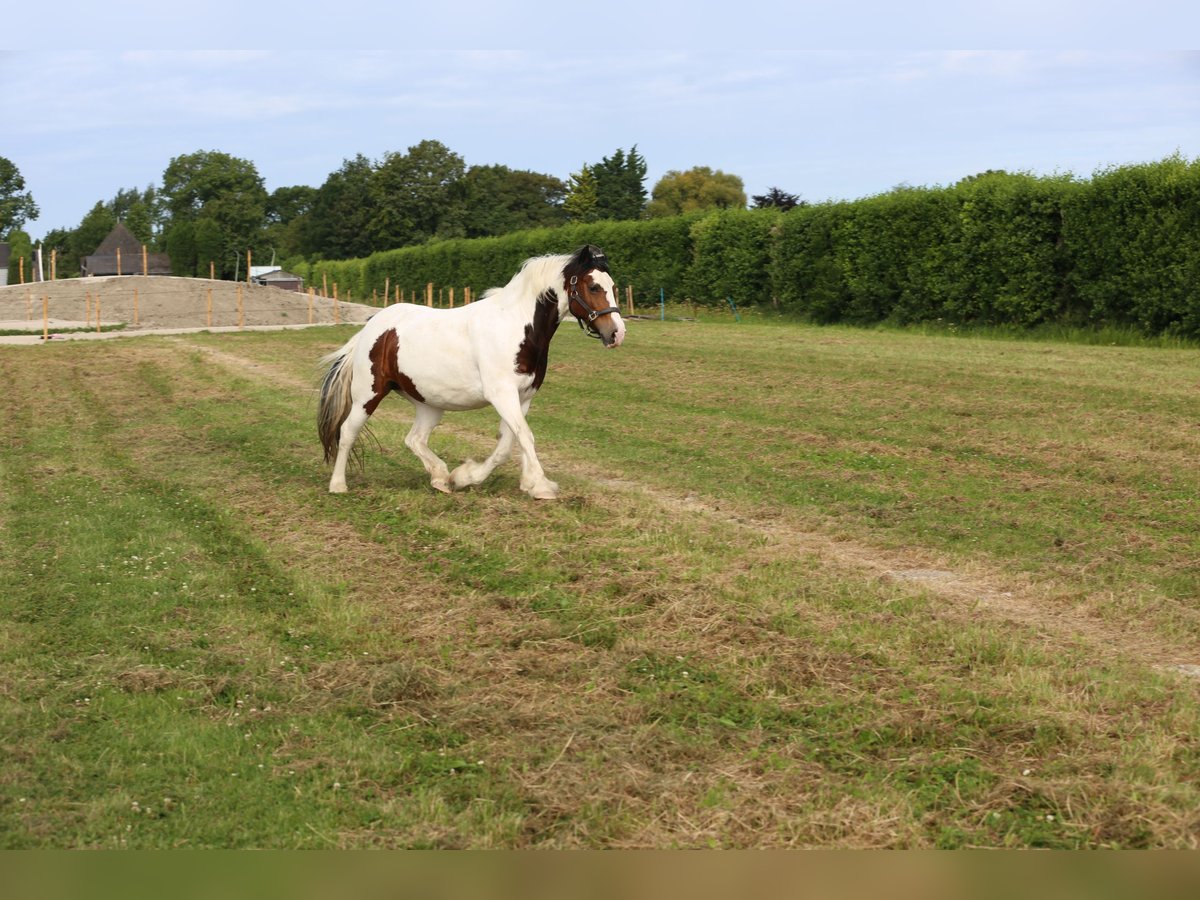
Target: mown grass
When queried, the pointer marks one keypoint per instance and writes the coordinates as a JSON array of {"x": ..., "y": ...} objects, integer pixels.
[{"x": 200, "y": 647}]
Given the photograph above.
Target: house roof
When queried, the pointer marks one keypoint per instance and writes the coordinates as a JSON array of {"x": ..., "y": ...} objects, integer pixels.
[{"x": 120, "y": 237}]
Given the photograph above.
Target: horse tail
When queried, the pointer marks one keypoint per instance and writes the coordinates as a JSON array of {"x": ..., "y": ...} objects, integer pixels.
[{"x": 334, "y": 404}]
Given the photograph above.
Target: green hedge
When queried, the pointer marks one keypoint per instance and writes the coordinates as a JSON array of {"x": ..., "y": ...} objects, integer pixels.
[
  {"x": 648, "y": 255},
  {"x": 1120, "y": 249}
]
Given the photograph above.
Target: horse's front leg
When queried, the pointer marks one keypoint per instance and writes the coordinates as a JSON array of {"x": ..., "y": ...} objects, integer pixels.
[
  {"x": 472, "y": 472},
  {"x": 512, "y": 413}
]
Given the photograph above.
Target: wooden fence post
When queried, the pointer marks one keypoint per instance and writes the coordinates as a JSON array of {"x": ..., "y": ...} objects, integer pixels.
[
  {"x": 118, "y": 260},
  {"x": 248, "y": 258},
  {"x": 212, "y": 271},
  {"x": 429, "y": 294},
  {"x": 145, "y": 261},
  {"x": 387, "y": 289},
  {"x": 53, "y": 264}
]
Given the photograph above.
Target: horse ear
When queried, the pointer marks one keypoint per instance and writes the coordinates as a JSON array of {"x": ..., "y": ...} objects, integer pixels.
[{"x": 596, "y": 258}]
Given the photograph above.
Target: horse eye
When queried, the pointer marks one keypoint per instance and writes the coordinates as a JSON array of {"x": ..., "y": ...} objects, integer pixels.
[{"x": 596, "y": 287}]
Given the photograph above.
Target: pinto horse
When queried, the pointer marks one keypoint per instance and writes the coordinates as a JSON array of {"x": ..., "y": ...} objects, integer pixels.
[{"x": 493, "y": 351}]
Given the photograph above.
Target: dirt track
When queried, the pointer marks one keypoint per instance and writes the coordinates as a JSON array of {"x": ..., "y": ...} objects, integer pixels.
[{"x": 163, "y": 303}]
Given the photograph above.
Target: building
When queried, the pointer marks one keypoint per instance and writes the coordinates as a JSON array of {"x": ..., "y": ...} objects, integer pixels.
[
  {"x": 105, "y": 260},
  {"x": 5, "y": 250},
  {"x": 273, "y": 276}
]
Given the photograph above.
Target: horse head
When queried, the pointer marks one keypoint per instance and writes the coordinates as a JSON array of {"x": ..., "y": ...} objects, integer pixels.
[{"x": 591, "y": 295}]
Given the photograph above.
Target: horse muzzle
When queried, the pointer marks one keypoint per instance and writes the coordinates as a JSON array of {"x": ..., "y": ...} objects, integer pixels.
[{"x": 614, "y": 336}]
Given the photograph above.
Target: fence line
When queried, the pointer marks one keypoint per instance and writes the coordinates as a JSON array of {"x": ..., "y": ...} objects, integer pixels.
[{"x": 131, "y": 300}]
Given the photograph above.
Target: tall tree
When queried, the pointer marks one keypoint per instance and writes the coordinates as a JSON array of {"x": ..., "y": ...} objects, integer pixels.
[
  {"x": 620, "y": 185},
  {"x": 224, "y": 188},
  {"x": 580, "y": 202},
  {"x": 16, "y": 203},
  {"x": 208, "y": 244},
  {"x": 498, "y": 200},
  {"x": 413, "y": 194},
  {"x": 20, "y": 247},
  {"x": 697, "y": 188},
  {"x": 287, "y": 216},
  {"x": 94, "y": 228},
  {"x": 59, "y": 240},
  {"x": 336, "y": 225},
  {"x": 139, "y": 219},
  {"x": 777, "y": 199},
  {"x": 141, "y": 211}
]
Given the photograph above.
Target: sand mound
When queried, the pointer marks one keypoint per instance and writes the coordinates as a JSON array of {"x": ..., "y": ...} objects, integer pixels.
[{"x": 165, "y": 303}]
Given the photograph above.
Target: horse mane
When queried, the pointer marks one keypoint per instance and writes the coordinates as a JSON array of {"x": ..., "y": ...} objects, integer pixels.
[{"x": 540, "y": 272}]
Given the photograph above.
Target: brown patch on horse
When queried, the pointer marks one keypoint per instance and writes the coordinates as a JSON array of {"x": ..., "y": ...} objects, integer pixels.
[
  {"x": 533, "y": 356},
  {"x": 385, "y": 371}
]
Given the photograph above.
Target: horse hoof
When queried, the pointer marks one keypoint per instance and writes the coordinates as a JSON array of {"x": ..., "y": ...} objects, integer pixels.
[
  {"x": 547, "y": 492},
  {"x": 460, "y": 478},
  {"x": 440, "y": 484},
  {"x": 337, "y": 488}
]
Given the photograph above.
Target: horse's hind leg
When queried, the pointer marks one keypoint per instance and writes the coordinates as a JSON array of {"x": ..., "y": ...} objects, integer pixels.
[
  {"x": 347, "y": 436},
  {"x": 425, "y": 420}
]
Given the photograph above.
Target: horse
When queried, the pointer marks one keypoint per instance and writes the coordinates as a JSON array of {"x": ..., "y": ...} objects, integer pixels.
[{"x": 494, "y": 351}]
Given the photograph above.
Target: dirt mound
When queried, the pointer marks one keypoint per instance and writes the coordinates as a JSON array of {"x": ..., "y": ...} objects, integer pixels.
[{"x": 157, "y": 302}]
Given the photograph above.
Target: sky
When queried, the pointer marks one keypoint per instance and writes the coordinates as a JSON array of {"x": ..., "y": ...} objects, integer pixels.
[{"x": 757, "y": 96}]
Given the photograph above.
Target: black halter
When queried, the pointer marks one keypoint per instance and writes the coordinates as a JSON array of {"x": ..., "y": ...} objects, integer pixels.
[{"x": 587, "y": 322}]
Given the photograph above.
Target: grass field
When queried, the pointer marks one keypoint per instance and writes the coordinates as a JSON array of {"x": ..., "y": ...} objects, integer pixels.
[{"x": 804, "y": 587}]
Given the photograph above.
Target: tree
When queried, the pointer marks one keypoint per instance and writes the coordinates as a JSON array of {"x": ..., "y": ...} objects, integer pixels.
[
  {"x": 288, "y": 210},
  {"x": 336, "y": 225},
  {"x": 497, "y": 200},
  {"x": 580, "y": 202},
  {"x": 94, "y": 228},
  {"x": 207, "y": 245},
  {"x": 20, "y": 246},
  {"x": 140, "y": 222},
  {"x": 180, "y": 242},
  {"x": 697, "y": 188},
  {"x": 58, "y": 241},
  {"x": 217, "y": 186},
  {"x": 413, "y": 193},
  {"x": 16, "y": 204},
  {"x": 141, "y": 211},
  {"x": 620, "y": 185},
  {"x": 778, "y": 199}
]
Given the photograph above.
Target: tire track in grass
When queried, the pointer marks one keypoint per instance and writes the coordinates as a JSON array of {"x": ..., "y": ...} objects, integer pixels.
[{"x": 968, "y": 593}]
